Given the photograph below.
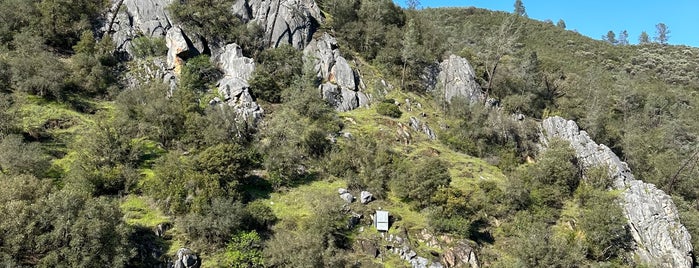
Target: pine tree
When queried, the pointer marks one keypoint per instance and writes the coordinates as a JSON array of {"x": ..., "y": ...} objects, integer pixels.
[
  {"x": 662, "y": 33},
  {"x": 561, "y": 24},
  {"x": 519, "y": 8},
  {"x": 643, "y": 38},
  {"x": 610, "y": 38},
  {"x": 623, "y": 38}
]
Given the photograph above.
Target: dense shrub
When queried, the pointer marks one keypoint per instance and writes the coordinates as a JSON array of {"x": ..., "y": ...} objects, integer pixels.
[
  {"x": 388, "y": 109},
  {"x": 276, "y": 71},
  {"x": 143, "y": 47},
  {"x": 416, "y": 181}
]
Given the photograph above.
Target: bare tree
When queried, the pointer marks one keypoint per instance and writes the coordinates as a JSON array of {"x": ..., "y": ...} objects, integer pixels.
[
  {"x": 413, "y": 4},
  {"x": 499, "y": 44}
]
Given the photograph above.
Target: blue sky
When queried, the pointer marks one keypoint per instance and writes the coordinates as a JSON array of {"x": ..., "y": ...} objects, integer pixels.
[{"x": 595, "y": 18}]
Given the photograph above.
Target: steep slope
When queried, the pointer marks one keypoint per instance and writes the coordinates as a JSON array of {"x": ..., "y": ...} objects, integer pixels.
[{"x": 661, "y": 240}]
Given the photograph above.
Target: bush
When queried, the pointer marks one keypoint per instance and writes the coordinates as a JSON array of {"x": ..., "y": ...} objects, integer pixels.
[
  {"x": 18, "y": 157},
  {"x": 245, "y": 251},
  {"x": 143, "y": 47},
  {"x": 416, "y": 181},
  {"x": 198, "y": 74},
  {"x": 388, "y": 109},
  {"x": 215, "y": 223},
  {"x": 276, "y": 71}
]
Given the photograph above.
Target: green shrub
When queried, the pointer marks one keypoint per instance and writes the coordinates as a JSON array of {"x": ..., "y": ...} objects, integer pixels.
[
  {"x": 199, "y": 74},
  {"x": 388, "y": 109},
  {"x": 417, "y": 181},
  {"x": 143, "y": 47}
]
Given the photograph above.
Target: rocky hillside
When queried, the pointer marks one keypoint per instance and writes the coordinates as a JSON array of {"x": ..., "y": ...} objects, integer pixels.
[{"x": 244, "y": 133}]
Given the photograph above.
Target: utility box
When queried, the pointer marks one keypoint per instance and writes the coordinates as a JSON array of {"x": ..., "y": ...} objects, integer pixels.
[{"x": 381, "y": 220}]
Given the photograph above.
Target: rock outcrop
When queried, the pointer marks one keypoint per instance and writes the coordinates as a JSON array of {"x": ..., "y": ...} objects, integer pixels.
[
  {"x": 234, "y": 87},
  {"x": 422, "y": 127},
  {"x": 146, "y": 17},
  {"x": 186, "y": 259},
  {"x": 180, "y": 48},
  {"x": 342, "y": 85},
  {"x": 457, "y": 78},
  {"x": 661, "y": 240},
  {"x": 284, "y": 21}
]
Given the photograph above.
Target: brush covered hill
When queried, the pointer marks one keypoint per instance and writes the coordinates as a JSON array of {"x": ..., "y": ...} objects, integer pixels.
[{"x": 143, "y": 133}]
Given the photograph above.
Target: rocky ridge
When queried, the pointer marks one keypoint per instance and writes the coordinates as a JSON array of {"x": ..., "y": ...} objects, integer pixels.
[{"x": 661, "y": 240}]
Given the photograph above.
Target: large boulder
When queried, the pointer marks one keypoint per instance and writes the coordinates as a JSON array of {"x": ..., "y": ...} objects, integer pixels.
[
  {"x": 186, "y": 259},
  {"x": 366, "y": 197},
  {"x": 457, "y": 78},
  {"x": 342, "y": 87},
  {"x": 233, "y": 87},
  {"x": 290, "y": 22},
  {"x": 661, "y": 240}
]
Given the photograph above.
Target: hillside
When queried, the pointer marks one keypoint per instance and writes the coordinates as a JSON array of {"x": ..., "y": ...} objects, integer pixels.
[{"x": 159, "y": 133}]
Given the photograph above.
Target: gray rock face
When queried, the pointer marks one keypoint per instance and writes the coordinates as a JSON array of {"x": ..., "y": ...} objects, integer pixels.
[
  {"x": 661, "y": 240},
  {"x": 343, "y": 84},
  {"x": 284, "y": 21},
  {"x": 146, "y": 17},
  {"x": 187, "y": 259},
  {"x": 179, "y": 48},
  {"x": 457, "y": 78},
  {"x": 233, "y": 87}
]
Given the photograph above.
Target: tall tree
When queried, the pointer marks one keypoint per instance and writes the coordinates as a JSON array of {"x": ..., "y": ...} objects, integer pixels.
[
  {"x": 519, "y": 8},
  {"x": 623, "y": 38},
  {"x": 662, "y": 33},
  {"x": 643, "y": 38},
  {"x": 561, "y": 24},
  {"x": 610, "y": 38},
  {"x": 413, "y": 4}
]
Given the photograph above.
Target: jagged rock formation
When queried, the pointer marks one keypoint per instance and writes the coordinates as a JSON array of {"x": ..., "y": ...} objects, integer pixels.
[
  {"x": 147, "y": 17},
  {"x": 342, "y": 85},
  {"x": 284, "y": 21},
  {"x": 234, "y": 87},
  {"x": 457, "y": 78},
  {"x": 661, "y": 240}
]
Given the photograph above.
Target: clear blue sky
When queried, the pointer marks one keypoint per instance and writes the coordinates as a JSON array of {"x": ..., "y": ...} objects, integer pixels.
[{"x": 595, "y": 18}]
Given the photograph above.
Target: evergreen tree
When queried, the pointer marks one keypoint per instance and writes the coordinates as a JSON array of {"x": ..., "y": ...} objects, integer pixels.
[
  {"x": 561, "y": 24},
  {"x": 519, "y": 8},
  {"x": 623, "y": 38},
  {"x": 610, "y": 38},
  {"x": 662, "y": 33},
  {"x": 643, "y": 38}
]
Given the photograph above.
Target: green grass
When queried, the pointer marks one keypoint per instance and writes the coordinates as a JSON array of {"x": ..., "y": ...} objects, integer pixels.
[
  {"x": 138, "y": 211},
  {"x": 297, "y": 203}
]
